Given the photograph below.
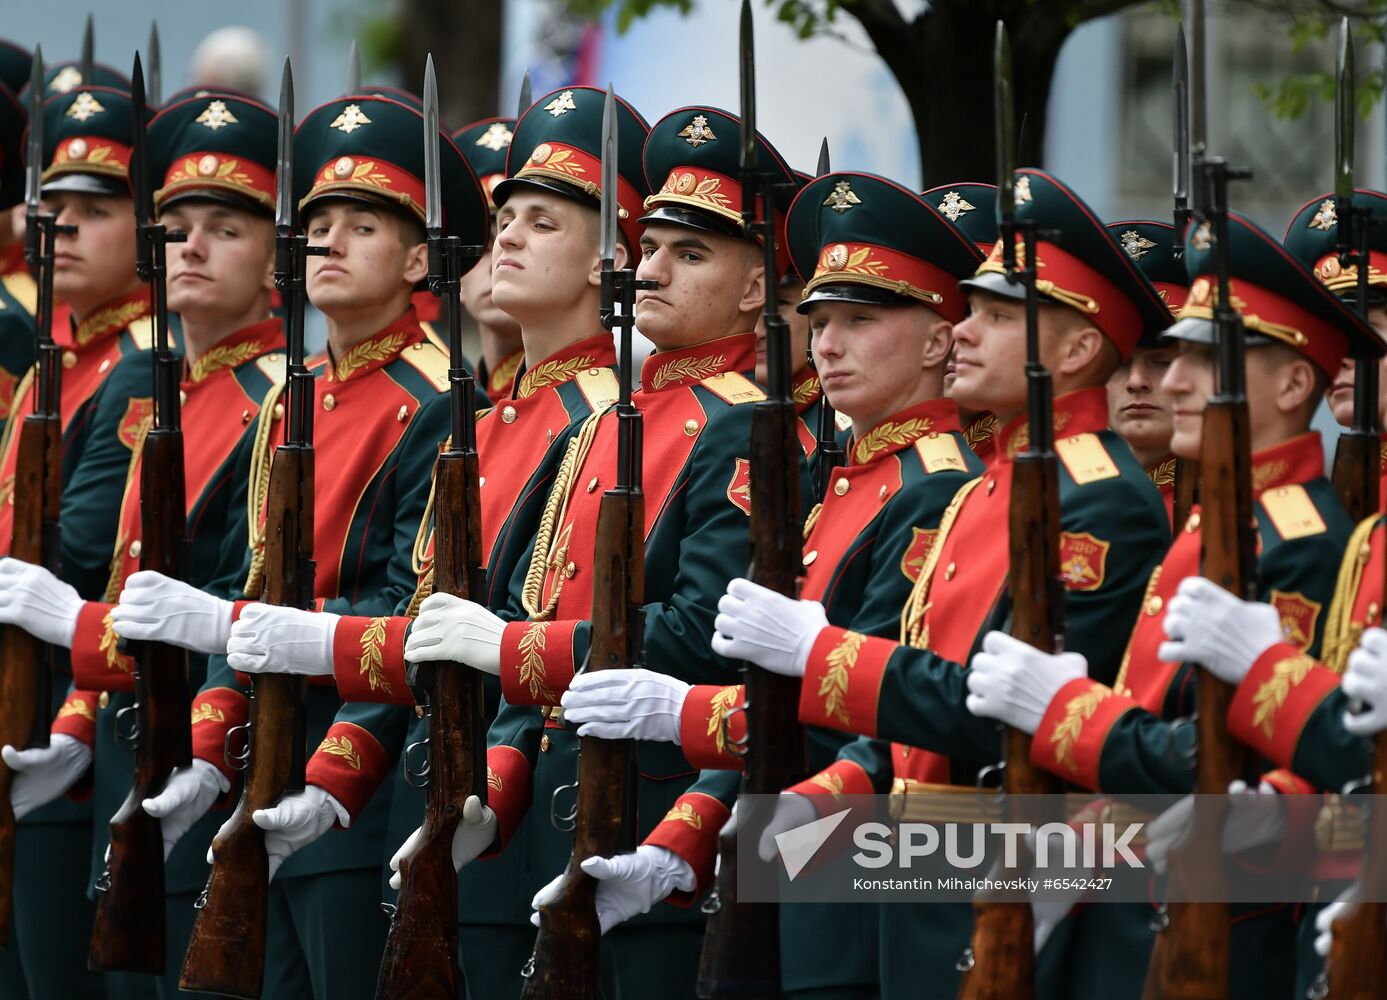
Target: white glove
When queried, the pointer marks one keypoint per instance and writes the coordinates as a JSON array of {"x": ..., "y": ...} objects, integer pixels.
[
  {"x": 1013, "y": 681},
  {"x": 294, "y": 822},
  {"x": 771, "y": 630},
  {"x": 44, "y": 773},
  {"x": 627, "y": 884},
  {"x": 626, "y": 704},
  {"x": 1324, "y": 921},
  {"x": 1205, "y": 624},
  {"x": 267, "y": 639},
  {"x": 1049, "y": 911},
  {"x": 187, "y": 795},
  {"x": 473, "y": 836},
  {"x": 791, "y": 810},
  {"x": 1365, "y": 680},
  {"x": 1255, "y": 818},
  {"x": 38, "y": 602},
  {"x": 451, "y": 629},
  {"x": 154, "y": 608}
]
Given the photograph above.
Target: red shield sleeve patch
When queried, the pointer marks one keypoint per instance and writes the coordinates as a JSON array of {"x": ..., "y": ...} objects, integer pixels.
[
  {"x": 1083, "y": 560},
  {"x": 136, "y": 413},
  {"x": 1299, "y": 617},
  {"x": 739, "y": 489},
  {"x": 913, "y": 562}
]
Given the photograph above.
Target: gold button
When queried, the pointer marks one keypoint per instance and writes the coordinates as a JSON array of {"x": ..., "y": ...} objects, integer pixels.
[
  {"x": 905, "y": 752},
  {"x": 1192, "y": 525},
  {"x": 329, "y": 401},
  {"x": 279, "y": 411},
  {"x": 569, "y": 570},
  {"x": 593, "y": 371},
  {"x": 544, "y": 743},
  {"x": 1373, "y": 609},
  {"x": 991, "y": 485},
  {"x": 105, "y": 363},
  {"x": 245, "y": 416},
  {"x": 508, "y": 414},
  {"x": 419, "y": 711},
  {"x": 135, "y": 549},
  {"x": 950, "y": 570},
  {"x": 1153, "y": 606},
  {"x": 403, "y": 415},
  {"x": 810, "y": 556},
  {"x": 592, "y": 484},
  {"x": 690, "y": 427},
  {"x": 481, "y": 481},
  {"x": 1364, "y": 551},
  {"x": 182, "y": 396},
  {"x": 69, "y": 359},
  {"x": 103, "y": 699},
  {"x": 549, "y": 435},
  {"x": 419, "y": 346},
  {"x": 881, "y": 494},
  {"x": 841, "y": 486}
]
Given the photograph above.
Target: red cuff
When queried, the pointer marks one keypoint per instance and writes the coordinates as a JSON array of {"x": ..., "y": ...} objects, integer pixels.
[
  {"x": 239, "y": 606},
  {"x": 508, "y": 776},
  {"x": 691, "y": 830},
  {"x": 1075, "y": 726},
  {"x": 368, "y": 660},
  {"x": 77, "y": 717},
  {"x": 216, "y": 712},
  {"x": 96, "y": 663},
  {"x": 842, "y": 680},
  {"x": 842, "y": 777},
  {"x": 537, "y": 661},
  {"x": 708, "y": 727},
  {"x": 350, "y": 764},
  {"x": 1275, "y": 700}
]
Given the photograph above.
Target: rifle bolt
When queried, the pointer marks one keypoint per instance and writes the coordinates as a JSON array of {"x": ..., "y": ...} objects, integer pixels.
[
  {"x": 69, "y": 359},
  {"x": 842, "y": 486},
  {"x": 1153, "y": 606},
  {"x": 135, "y": 549},
  {"x": 508, "y": 414},
  {"x": 329, "y": 401}
]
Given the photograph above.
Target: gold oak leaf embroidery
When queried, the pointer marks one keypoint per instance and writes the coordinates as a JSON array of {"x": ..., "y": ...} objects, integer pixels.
[
  {"x": 1265, "y": 475},
  {"x": 684, "y": 813},
  {"x": 222, "y": 356},
  {"x": 806, "y": 391},
  {"x": 1273, "y": 693},
  {"x": 77, "y": 706},
  {"x": 686, "y": 369},
  {"x": 1079, "y": 710},
  {"x": 364, "y": 353},
  {"x": 372, "y": 642},
  {"x": 550, "y": 373},
  {"x": 831, "y": 783},
  {"x": 340, "y": 746},
  {"x": 109, "y": 639},
  {"x": 493, "y": 780},
  {"x": 207, "y": 712},
  {"x": 833, "y": 689},
  {"x": 722, "y": 704},
  {"x": 532, "y": 673},
  {"x": 889, "y": 435}
]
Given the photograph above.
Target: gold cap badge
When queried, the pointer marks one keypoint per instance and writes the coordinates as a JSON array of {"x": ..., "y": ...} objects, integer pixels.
[
  {"x": 351, "y": 119},
  {"x": 697, "y": 132},
  {"x": 84, "y": 107},
  {"x": 68, "y": 78},
  {"x": 1136, "y": 245},
  {"x": 495, "y": 138},
  {"x": 955, "y": 206},
  {"x": 1326, "y": 218},
  {"x": 1023, "y": 190},
  {"x": 216, "y": 115},
  {"x": 561, "y": 104},
  {"x": 842, "y": 197}
]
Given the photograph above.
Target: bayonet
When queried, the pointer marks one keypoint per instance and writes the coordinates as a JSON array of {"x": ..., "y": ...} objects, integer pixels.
[
  {"x": 354, "y": 68},
  {"x": 33, "y": 154},
  {"x": 139, "y": 168},
  {"x": 1345, "y": 115},
  {"x": 87, "y": 66},
  {"x": 433, "y": 184},
  {"x": 1180, "y": 161},
  {"x": 746, "y": 66},
  {"x": 824, "y": 164},
  {"x": 1198, "y": 97},
  {"x": 609, "y": 181},
  {"x": 155, "y": 89},
  {"x": 1002, "y": 109},
  {"x": 525, "y": 100},
  {"x": 284, "y": 155}
]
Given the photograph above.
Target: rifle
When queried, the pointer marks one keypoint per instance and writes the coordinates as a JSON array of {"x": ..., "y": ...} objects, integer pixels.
[
  {"x": 565, "y": 961},
  {"x": 827, "y": 451},
  {"x": 1357, "y": 457},
  {"x": 128, "y": 932},
  {"x": 421, "y": 951},
  {"x": 1191, "y": 956},
  {"x": 226, "y": 953},
  {"x": 1186, "y": 471},
  {"x": 26, "y": 669},
  {"x": 1002, "y": 961},
  {"x": 741, "y": 943}
]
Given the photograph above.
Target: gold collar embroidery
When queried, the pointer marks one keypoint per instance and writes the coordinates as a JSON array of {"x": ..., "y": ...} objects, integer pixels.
[
  {"x": 365, "y": 353},
  {"x": 888, "y": 436},
  {"x": 116, "y": 317},
  {"x": 686, "y": 370},
  {"x": 223, "y": 356},
  {"x": 549, "y": 373}
]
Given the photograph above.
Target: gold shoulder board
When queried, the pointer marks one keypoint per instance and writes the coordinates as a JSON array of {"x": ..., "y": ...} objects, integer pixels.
[
  {"x": 435, "y": 338},
  {"x": 272, "y": 367},
  {"x": 940, "y": 453},
  {"x": 1292, "y": 512},
  {"x": 142, "y": 332},
  {"x": 20, "y": 284},
  {"x": 734, "y": 388},
  {"x": 842, "y": 421},
  {"x": 430, "y": 361},
  {"x": 1085, "y": 458},
  {"x": 600, "y": 386}
]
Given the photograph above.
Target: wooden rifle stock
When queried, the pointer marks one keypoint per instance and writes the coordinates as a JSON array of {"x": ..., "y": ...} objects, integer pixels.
[
  {"x": 1357, "y": 965},
  {"x": 741, "y": 943},
  {"x": 1355, "y": 473},
  {"x": 1186, "y": 491},
  {"x": 25, "y": 677},
  {"x": 128, "y": 932},
  {"x": 1191, "y": 957},
  {"x": 421, "y": 951},
  {"x": 226, "y": 953},
  {"x": 566, "y": 957}
]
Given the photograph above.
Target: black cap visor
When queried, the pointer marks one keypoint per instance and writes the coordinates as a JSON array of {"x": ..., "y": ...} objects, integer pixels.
[
  {"x": 1197, "y": 330},
  {"x": 104, "y": 185},
  {"x": 853, "y": 292},
  {"x": 691, "y": 218}
]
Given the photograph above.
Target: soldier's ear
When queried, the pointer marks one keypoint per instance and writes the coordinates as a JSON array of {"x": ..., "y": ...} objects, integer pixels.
[
  {"x": 754, "y": 294},
  {"x": 1081, "y": 348},
  {"x": 1298, "y": 387},
  {"x": 416, "y": 263},
  {"x": 938, "y": 341},
  {"x": 620, "y": 259}
]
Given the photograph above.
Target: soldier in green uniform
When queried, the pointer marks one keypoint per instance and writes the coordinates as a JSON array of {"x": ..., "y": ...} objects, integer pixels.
[
  {"x": 380, "y": 415},
  {"x": 546, "y": 231},
  {"x": 693, "y": 397},
  {"x": 882, "y": 334}
]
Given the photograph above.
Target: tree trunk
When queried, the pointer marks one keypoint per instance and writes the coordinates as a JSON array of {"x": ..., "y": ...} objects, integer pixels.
[{"x": 465, "y": 39}]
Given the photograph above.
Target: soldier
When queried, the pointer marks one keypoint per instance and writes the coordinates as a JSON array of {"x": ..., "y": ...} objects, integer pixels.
[
  {"x": 693, "y": 397},
  {"x": 881, "y": 338},
  {"x": 1138, "y": 407},
  {"x": 17, "y": 346},
  {"x": 1120, "y": 733},
  {"x": 1095, "y": 308},
  {"x": 379, "y": 419},
  {"x": 486, "y": 144},
  {"x": 546, "y": 237}
]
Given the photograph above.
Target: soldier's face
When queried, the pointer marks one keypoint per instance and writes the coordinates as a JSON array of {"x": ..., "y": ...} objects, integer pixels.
[
  {"x": 872, "y": 359},
  {"x": 544, "y": 259},
  {"x": 369, "y": 260},
  {"x": 708, "y": 286},
  {"x": 990, "y": 355},
  {"x": 787, "y": 296},
  {"x": 1340, "y": 395},
  {"x": 1189, "y": 382},
  {"x": 224, "y": 269},
  {"x": 477, "y": 300},
  {"x": 97, "y": 264},
  {"x": 1138, "y": 405}
]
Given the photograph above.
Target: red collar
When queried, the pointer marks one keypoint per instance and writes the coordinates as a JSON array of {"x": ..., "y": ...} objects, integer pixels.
[
  {"x": 113, "y": 317},
  {"x": 563, "y": 365},
  {"x": 1084, "y": 411},
  {"x": 500, "y": 382},
  {"x": 689, "y": 365},
  {"x": 901, "y": 430},
  {"x": 234, "y": 350},
  {"x": 376, "y": 351},
  {"x": 1298, "y": 460}
]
